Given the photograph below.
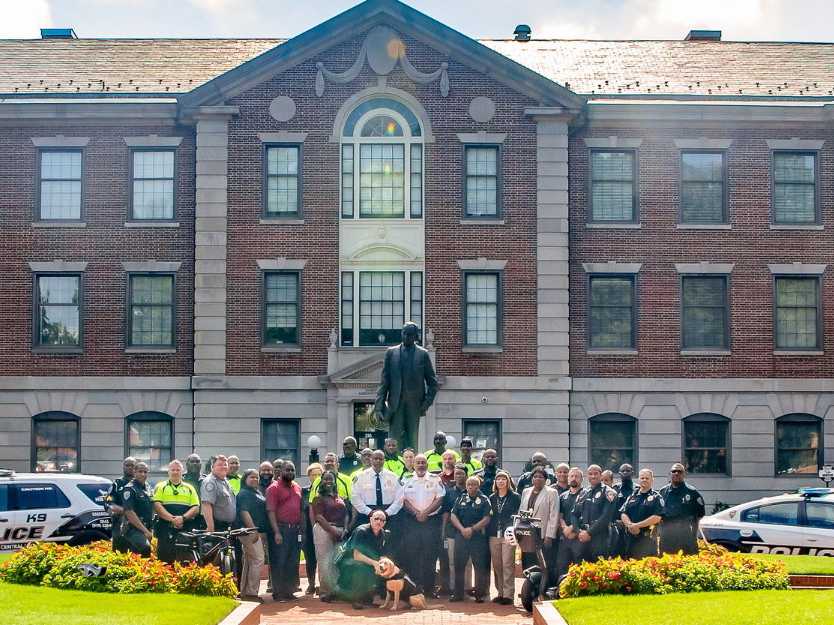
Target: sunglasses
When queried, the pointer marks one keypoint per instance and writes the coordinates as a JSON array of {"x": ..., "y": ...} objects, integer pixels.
[{"x": 676, "y": 471}]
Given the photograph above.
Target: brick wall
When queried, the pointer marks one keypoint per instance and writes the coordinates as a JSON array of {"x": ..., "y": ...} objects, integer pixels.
[
  {"x": 105, "y": 243},
  {"x": 317, "y": 239},
  {"x": 750, "y": 244}
]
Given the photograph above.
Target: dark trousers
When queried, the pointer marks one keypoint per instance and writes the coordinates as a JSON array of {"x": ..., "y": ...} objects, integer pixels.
[
  {"x": 476, "y": 549},
  {"x": 679, "y": 535},
  {"x": 165, "y": 542},
  {"x": 405, "y": 421},
  {"x": 309, "y": 550},
  {"x": 283, "y": 561},
  {"x": 136, "y": 542},
  {"x": 446, "y": 582},
  {"x": 570, "y": 552},
  {"x": 419, "y": 549}
]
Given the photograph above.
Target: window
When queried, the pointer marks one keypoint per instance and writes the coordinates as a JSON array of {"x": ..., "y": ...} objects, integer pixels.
[
  {"x": 40, "y": 497},
  {"x": 797, "y": 316},
  {"x": 150, "y": 439},
  {"x": 280, "y": 439},
  {"x": 706, "y": 444},
  {"x": 95, "y": 492},
  {"x": 482, "y": 188},
  {"x": 612, "y": 312},
  {"x": 794, "y": 187},
  {"x": 613, "y": 186},
  {"x": 482, "y": 308},
  {"x": 382, "y": 162},
  {"x": 56, "y": 444},
  {"x": 59, "y": 185},
  {"x": 5, "y": 504},
  {"x": 611, "y": 440},
  {"x": 702, "y": 188},
  {"x": 58, "y": 312},
  {"x": 705, "y": 315},
  {"x": 281, "y": 308},
  {"x": 485, "y": 434},
  {"x": 153, "y": 184},
  {"x": 786, "y": 513},
  {"x": 151, "y": 314},
  {"x": 282, "y": 190},
  {"x": 376, "y": 302},
  {"x": 798, "y": 449},
  {"x": 820, "y": 514}
]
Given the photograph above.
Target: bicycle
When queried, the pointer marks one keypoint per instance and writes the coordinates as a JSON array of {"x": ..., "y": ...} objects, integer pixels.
[{"x": 215, "y": 548}]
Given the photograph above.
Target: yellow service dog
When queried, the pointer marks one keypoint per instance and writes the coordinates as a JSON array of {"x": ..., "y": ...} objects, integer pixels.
[{"x": 397, "y": 583}]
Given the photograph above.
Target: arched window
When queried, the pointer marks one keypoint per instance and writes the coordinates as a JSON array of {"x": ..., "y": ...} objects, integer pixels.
[
  {"x": 56, "y": 442},
  {"x": 382, "y": 162},
  {"x": 706, "y": 443},
  {"x": 798, "y": 444},
  {"x": 150, "y": 438},
  {"x": 612, "y": 440}
]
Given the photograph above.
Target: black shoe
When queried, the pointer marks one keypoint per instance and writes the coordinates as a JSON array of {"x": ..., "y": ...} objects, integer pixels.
[
  {"x": 358, "y": 606},
  {"x": 498, "y": 600},
  {"x": 479, "y": 599},
  {"x": 472, "y": 592},
  {"x": 455, "y": 599},
  {"x": 326, "y": 598},
  {"x": 507, "y": 601}
]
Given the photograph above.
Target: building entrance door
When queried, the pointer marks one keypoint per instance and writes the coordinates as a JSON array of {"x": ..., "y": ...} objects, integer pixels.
[{"x": 367, "y": 429}]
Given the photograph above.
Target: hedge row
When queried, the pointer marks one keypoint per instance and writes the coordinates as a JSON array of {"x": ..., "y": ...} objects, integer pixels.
[
  {"x": 61, "y": 566},
  {"x": 714, "y": 568}
]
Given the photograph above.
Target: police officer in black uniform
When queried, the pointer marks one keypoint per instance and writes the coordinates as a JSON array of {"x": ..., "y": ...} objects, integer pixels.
[
  {"x": 570, "y": 549},
  {"x": 640, "y": 515},
  {"x": 597, "y": 509},
  {"x": 682, "y": 511},
  {"x": 538, "y": 459},
  {"x": 115, "y": 503},
  {"x": 470, "y": 517},
  {"x": 138, "y": 508}
]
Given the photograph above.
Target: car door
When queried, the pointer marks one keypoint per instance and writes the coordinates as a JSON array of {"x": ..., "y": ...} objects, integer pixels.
[
  {"x": 819, "y": 531},
  {"x": 773, "y": 528},
  {"x": 41, "y": 509},
  {"x": 6, "y": 518}
]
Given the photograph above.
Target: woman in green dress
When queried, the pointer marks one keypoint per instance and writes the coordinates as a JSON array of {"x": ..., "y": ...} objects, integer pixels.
[{"x": 359, "y": 566}]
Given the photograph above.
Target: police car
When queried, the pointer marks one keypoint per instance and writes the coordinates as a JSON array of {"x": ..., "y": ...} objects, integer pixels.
[
  {"x": 800, "y": 523},
  {"x": 58, "y": 507}
]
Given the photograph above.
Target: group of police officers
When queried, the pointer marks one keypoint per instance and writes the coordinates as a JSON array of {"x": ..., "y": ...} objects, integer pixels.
[{"x": 440, "y": 505}]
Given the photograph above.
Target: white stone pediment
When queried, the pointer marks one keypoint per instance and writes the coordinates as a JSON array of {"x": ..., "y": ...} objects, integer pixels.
[{"x": 364, "y": 371}]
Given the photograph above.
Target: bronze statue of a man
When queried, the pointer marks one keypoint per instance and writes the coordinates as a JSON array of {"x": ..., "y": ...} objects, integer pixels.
[{"x": 407, "y": 387}]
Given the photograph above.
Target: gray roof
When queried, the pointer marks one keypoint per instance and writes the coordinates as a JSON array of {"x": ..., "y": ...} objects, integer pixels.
[{"x": 625, "y": 68}]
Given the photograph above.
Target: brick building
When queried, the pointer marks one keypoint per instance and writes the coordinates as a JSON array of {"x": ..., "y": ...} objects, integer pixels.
[{"x": 208, "y": 244}]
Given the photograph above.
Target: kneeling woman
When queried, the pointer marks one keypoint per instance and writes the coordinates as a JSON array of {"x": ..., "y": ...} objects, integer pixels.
[
  {"x": 359, "y": 567},
  {"x": 640, "y": 515}
]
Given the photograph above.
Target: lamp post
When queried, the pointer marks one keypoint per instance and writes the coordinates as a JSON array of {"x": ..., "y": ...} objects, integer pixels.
[
  {"x": 451, "y": 441},
  {"x": 314, "y": 442}
]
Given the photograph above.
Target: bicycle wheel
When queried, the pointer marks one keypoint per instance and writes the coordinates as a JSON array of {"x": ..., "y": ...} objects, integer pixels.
[{"x": 227, "y": 561}]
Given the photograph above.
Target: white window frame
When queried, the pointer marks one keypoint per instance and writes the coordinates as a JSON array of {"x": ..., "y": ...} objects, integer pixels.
[
  {"x": 406, "y": 140},
  {"x": 356, "y": 303}
]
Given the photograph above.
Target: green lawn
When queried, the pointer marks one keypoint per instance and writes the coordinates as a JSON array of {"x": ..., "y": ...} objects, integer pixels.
[
  {"x": 759, "y": 607},
  {"x": 808, "y": 565},
  {"x": 5, "y": 556},
  {"x": 33, "y": 605}
]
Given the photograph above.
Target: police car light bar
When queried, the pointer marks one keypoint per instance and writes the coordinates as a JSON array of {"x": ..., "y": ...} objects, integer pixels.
[{"x": 815, "y": 492}]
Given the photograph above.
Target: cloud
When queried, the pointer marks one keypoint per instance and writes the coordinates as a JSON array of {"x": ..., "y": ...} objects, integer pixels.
[{"x": 23, "y": 19}]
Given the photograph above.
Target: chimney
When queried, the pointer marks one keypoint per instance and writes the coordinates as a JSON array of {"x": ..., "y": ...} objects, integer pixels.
[
  {"x": 58, "y": 33},
  {"x": 703, "y": 35},
  {"x": 522, "y": 32}
]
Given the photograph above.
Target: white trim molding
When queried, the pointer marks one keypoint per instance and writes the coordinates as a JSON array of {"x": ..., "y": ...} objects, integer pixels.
[
  {"x": 795, "y": 143},
  {"x": 797, "y": 268},
  {"x": 153, "y": 141},
  {"x": 481, "y": 137},
  {"x": 282, "y": 137},
  {"x": 612, "y": 267},
  {"x": 704, "y": 267},
  {"x": 60, "y": 141},
  {"x": 381, "y": 91},
  {"x": 702, "y": 143},
  {"x": 482, "y": 264},
  {"x": 58, "y": 266},
  {"x": 613, "y": 142},
  {"x": 281, "y": 264},
  {"x": 151, "y": 266}
]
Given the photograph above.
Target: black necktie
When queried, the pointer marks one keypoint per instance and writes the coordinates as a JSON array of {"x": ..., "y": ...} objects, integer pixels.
[{"x": 378, "y": 491}]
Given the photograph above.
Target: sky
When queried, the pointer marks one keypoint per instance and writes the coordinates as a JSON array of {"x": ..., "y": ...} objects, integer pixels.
[{"x": 740, "y": 20}]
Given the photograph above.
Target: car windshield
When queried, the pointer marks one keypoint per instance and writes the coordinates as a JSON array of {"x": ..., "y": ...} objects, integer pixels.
[{"x": 96, "y": 492}]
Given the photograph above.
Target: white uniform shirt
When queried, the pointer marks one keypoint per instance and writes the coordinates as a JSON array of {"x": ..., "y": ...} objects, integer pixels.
[
  {"x": 421, "y": 491},
  {"x": 363, "y": 492}
]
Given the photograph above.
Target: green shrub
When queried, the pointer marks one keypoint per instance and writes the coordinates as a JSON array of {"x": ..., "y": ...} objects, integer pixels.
[
  {"x": 60, "y": 566},
  {"x": 714, "y": 568}
]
